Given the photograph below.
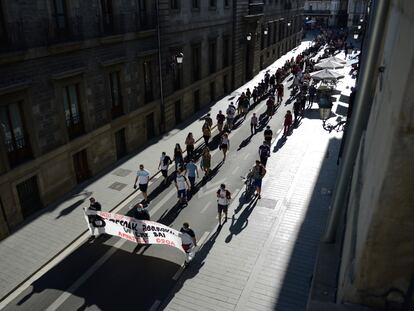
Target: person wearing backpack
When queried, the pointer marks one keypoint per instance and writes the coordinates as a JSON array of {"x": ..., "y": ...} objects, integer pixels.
[
  {"x": 258, "y": 172},
  {"x": 165, "y": 161},
  {"x": 182, "y": 185},
  {"x": 223, "y": 200},
  {"x": 264, "y": 152}
]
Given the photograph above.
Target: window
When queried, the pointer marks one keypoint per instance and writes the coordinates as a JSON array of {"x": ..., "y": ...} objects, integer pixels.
[
  {"x": 269, "y": 34},
  {"x": 275, "y": 32},
  {"x": 175, "y": 5},
  {"x": 177, "y": 76},
  {"x": 213, "y": 3},
  {"x": 196, "y": 4},
  {"x": 226, "y": 3},
  {"x": 177, "y": 111},
  {"x": 14, "y": 134},
  {"x": 107, "y": 16},
  {"x": 212, "y": 55},
  {"x": 60, "y": 15},
  {"x": 116, "y": 95},
  {"x": 196, "y": 55},
  {"x": 148, "y": 95},
  {"x": 143, "y": 17},
  {"x": 226, "y": 51},
  {"x": 196, "y": 100},
  {"x": 71, "y": 105}
]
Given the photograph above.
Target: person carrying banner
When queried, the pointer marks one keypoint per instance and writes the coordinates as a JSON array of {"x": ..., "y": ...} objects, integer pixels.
[
  {"x": 182, "y": 184},
  {"x": 223, "y": 200},
  {"x": 188, "y": 241},
  {"x": 141, "y": 213},
  {"x": 94, "y": 206}
]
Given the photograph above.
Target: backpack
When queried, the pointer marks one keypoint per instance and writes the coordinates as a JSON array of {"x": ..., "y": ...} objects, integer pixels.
[
  {"x": 166, "y": 160},
  {"x": 228, "y": 194}
]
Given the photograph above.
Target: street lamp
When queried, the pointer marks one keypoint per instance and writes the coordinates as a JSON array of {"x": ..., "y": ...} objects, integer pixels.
[
  {"x": 361, "y": 20},
  {"x": 249, "y": 36},
  {"x": 307, "y": 18},
  {"x": 355, "y": 36},
  {"x": 265, "y": 31},
  {"x": 179, "y": 58},
  {"x": 359, "y": 26},
  {"x": 289, "y": 23}
]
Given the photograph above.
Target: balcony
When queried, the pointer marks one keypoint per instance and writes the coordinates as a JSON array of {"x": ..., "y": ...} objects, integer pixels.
[
  {"x": 18, "y": 150},
  {"x": 75, "y": 126}
]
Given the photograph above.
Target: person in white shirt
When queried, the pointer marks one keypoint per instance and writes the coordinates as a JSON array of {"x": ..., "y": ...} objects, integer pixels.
[
  {"x": 142, "y": 178},
  {"x": 231, "y": 114},
  {"x": 165, "y": 161},
  {"x": 223, "y": 200},
  {"x": 182, "y": 184}
]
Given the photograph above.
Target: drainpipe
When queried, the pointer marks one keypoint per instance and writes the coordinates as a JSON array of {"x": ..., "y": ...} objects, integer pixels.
[
  {"x": 361, "y": 110},
  {"x": 162, "y": 106}
]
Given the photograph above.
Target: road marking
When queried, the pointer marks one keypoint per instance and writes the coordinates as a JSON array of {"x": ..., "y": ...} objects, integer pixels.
[
  {"x": 71, "y": 290},
  {"x": 246, "y": 156},
  {"x": 155, "y": 305},
  {"x": 278, "y": 131},
  {"x": 205, "y": 207},
  {"x": 235, "y": 170},
  {"x": 164, "y": 200}
]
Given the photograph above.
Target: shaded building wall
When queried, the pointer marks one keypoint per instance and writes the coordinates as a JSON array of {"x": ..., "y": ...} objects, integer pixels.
[{"x": 378, "y": 252}]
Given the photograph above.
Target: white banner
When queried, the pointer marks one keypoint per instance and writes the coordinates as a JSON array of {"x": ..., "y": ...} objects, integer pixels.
[{"x": 138, "y": 231}]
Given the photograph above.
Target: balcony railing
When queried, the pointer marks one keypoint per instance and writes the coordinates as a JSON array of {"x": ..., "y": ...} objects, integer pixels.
[
  {"x": 75, "y": 126},
  {"x": 256, "y": 9},
  {"x": 18, "y": 150}
]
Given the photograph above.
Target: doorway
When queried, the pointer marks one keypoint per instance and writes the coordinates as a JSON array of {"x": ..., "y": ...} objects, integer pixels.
[
  {"x": 150, "y": 126},
  {"x": 29, "y": 197},
  {"x": 196, "y": 100},
  {"x": 120, "y": 144},
  {"x": 80, "y": 163},
  {"x": 177, "y": 111}
]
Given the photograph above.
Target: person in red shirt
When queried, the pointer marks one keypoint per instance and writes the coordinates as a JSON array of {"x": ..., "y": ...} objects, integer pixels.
[{"x": 288, "y": 122}]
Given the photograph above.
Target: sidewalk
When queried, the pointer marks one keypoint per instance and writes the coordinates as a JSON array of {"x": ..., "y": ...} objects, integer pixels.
[
  {"x": 263, "y": 257},
  {"x": 48, "y": 233}
]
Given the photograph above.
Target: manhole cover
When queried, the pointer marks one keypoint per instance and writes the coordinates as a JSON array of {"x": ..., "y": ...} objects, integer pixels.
[
  {"x": 268, "y": 203},
  {"x": 121, "y": 172},
  {"x": 117, "y": 186}
]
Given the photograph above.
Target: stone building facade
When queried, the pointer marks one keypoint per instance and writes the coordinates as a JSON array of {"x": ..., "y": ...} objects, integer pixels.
[{"x": 80, "y": 83}]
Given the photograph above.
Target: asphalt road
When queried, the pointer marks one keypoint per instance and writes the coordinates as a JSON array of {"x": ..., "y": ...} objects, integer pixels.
[{"x": 113, "y": 274}]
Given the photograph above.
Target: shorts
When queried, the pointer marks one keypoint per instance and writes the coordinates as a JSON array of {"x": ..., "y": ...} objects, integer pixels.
[
  {"x": 143, "y": 187},
  {"x": 182, "y": 193},
  {"x": 222, "y": 208},
  {"x": 223, "y": 147},
  {"x": 257, "y": 182},
  {"x": 164, "y": 173}
]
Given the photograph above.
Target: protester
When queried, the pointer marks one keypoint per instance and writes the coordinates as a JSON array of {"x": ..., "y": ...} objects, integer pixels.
[
  {"x": 220, "y": 121},
  {"x": 189, "y": 143},
  {"x": 264, "y": 152},
  {"x": 253, "y": 124},
  {"x": 206, "y": 132},
  {"x": 258, "y": 172},
  {"x": 178, "y": 156},
  {"x": 192, "y": 172},
  {"x": 269, "y": 107},
  {"x": 143, "y": 179},
  {"x": 209, "y": 120},
  {"x": 223, "y": 200},
  {"x": 287, "y": 123},
  {"x": 268, "y": 134},
  {"x": 206, "y": 161},
  {"x": 312, "y": 92},
  {"x": 182, "y": 185},
  {"x": 94, "y": 206},
  {"x": 280, "y": 91},
  {"x": 255, "y": 95},
  {"x": 165, "y": 161},
  {"x": 224, "y": 145},
  {"x": 231, "y": 114},
  {"x": 248, "y": 96},
  {"x": 240, "y": 102},
  {"x": 189, "y": 241},
  {"x": 141, "y": 213},
  {"x": 296, "y": 110}
]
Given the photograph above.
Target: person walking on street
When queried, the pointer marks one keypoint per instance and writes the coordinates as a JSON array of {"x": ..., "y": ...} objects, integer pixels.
[
  {"x": 94, "y": 206},
  {"x": 255, "y": 95},
  {"x": 225, "y": 145},
  {"x": 165, "y": 161},
  {"x": 192, "y": 172},
  {"x": 189, "y": 143},
  {"x": 142, "y": 178},
  {"x": 253, "y": 124},
  {"x": 269, "y": 107},
  {"x": 182, "y": 185},
  {"x": 231, "y": 114},
  {"x": 280, "y": 91},
  {"x": 240, "y": 102},
  {"x": 264, "y": 153},
  {"x": 268, "y": 134},
  {"x": 189, "y": 241},
  {"x": 287, "y": 123},
  {"x": 223, "y": 200},
  {"x": 206, "y": 161},
  {"x": 206, "y": 132},
  {"x": 312, "y": 92},
  {"x": 141, "y": 213},
  {"x": 220, "y": 121},
  {"x": 296, "y": 111},
  {"x": 178, "y": 156},
  {"x": 258, "y": 172},
  {"x": 209, "y": 120}
]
